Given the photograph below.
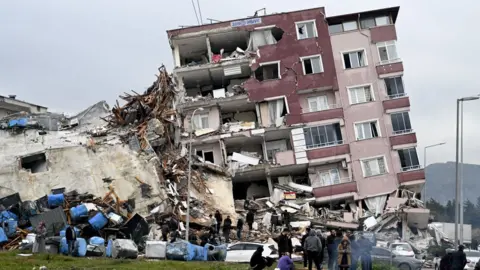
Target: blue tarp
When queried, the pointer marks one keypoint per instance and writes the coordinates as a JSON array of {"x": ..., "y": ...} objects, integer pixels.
[
  {"x": 22, "y": 122},
  {"x": 3, "y": 236},
  {"x": 184, "y": 251},
  {"x": 7, "y": 215}
]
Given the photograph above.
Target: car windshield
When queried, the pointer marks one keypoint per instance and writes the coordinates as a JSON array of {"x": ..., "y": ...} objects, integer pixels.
[
  {"x": 401, "y": 247},
  {"x": 472, "y": 253}
]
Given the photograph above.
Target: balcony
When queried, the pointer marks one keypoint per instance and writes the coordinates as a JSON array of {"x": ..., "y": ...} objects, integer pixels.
[
  {"x": 348, "y": 186},
  {"x": 407, "y": 137},
  {"x": 285, "y": 158},
  {"x": 334, "y": 149},
  {"x": 409, "y": 176},
  {"x": 333, "y": 112},
  {"x": 383, "y": 33},
  {"x": 392, "y": 66},
  {"x": 396, "y": 102}
]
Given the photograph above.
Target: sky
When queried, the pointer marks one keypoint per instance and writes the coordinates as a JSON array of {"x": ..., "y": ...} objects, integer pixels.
[{"x": 68, "y": 55}]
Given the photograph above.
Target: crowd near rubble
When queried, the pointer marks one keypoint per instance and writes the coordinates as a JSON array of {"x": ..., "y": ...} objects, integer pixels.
[{"x": 153, "y": 221}]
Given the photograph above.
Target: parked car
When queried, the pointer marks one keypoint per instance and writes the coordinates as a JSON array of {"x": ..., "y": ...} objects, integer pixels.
[
  {"x": 473, "y": 256},
  {"x": 385, "y": 256},
  {"x": 241, "y": 252},
  {"x": 402, "y": 249}
]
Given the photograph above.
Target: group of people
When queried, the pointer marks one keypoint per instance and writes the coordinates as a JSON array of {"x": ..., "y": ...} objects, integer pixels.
[
  {"x": 344, "y": 251},
  {"x": 275, "y": 220},
  {"x": 455, "y": 260}
]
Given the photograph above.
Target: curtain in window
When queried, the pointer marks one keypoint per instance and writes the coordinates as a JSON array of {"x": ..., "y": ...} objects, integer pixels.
[
  {"x": 260, "y": 38},
  {"x": 316, "y": 68},
  {"x": 196, "y": 122},
  {"x": 376, "y": 204}
]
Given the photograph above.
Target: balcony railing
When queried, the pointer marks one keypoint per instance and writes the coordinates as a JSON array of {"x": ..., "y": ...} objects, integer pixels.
[
  {"x": 326, "y": 144},
  {"x": 411, "y": 168},
  {"x": 390, "y": 61},
  {"x": 405, "y": 131},
  {"x": 329, "y": 107},
  {"x": 333, "y": 182},
  {"x": 398, "y": 95}
]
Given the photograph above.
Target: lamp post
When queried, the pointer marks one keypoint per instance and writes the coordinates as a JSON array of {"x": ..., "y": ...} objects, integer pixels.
[
  {"x": 190, "y": 172},
  {"x": 458, "y": 181},
  {"x": 425, "y": 167}
]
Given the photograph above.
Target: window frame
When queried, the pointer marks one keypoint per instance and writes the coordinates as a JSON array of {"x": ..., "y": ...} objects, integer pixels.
[
  {"x": 362, "y": 164},
  {"x": 326, "y": 144},
  {"x": 396, "y": 95},
  {"x": 385, "y": 44},
  {"x": 401, "y": 132},
  {"x": 303, "y": 58},
  {"x": 364, "y": 122},
  {"x": 409, "y": 168},
  {"x": 319, "y": 174},
  {"x": 271, "y": 63},
  {"x": 317, "y": 100},
  {"x": 372, "y": 93},
  {"x": 342, "y": 53},
  {"x": 200, "y": 116},
  {"x": 285, "y": 100},
  {"x": 315, "y": 32}
]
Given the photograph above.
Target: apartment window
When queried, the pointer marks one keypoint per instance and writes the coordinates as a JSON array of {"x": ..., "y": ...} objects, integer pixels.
[
  {"x": 367, "y": 130},
  {"x": 323, "y": 136},
  {"x": 387, "y": 51},
  {"x": 360, "y": 94},
  {"x": 268, "y": 71},
  {"x": 200, "y": 121},
  {"x": 330, "y": 177},
  {"x": 354, "y": 59},
  {"x": 316, "y": 104},
  {"x": 401, "y": 123},
  {"x": 374, "y": 166},
  {"x": 206, "y": 155},
  {"x": 372, "y": 22},
  {"x": 394, "y": 87},
  {"x": 409, "y": 159},
  {"x": 312, "y": 64},
  {"x": 306, "y": 29},
  {"x": 342, "y": 27}
]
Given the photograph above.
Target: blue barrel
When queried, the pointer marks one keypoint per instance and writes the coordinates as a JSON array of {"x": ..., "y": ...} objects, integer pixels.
[
  {"x": 11, "y": 227},
  {"x": 77, "y": 231},
  {"x": 98, "y": 221},
  {"x": 78, "y": 212},
  {"x": 63, "y": 246},
  {"x": 80, "y": 249},
  {"x": 97, "y": 241},
  {"x": 108, "y": 252},
  {"x": 55, "y": 200}
]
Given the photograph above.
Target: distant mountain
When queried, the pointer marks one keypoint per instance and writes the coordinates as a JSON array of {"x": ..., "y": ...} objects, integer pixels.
[{"x": 441, "y": 182}]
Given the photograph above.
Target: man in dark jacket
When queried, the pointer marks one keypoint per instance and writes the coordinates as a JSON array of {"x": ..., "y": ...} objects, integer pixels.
[
  {"x": 219, "y": 219},
  {"x": 459, "y": 259},
  {"x": 227, "y": 227},
  {"x": 274, "y": 221},
  {"x": 204, "y": 238},
  {"x": 284, "y": 244},
  {"x": 304, "y": 237},
  {"x": 355, "y": 250},
  {"x": 257, "y": 261},
  {"x": 313, "y": 246},
  {"x": 324, "y": 245},
  {"x": 250, "y": 218},
  {"x": 71, "y": 237},
  {"x": 286, "y": 219},
  {"x": 239, "y": 228},
  {"x": 331, "y": 248},
  {"x": 165, "y": 231}
]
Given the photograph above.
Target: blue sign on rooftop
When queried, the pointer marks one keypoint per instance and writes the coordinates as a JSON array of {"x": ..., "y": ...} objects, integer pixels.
[{"x": 246, "y": 22}]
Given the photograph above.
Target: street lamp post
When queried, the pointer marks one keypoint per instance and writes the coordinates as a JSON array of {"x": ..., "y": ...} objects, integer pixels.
[
  {"x": 190, "y": 172},
  {"x": 458, "y": 182},
  {"x": 425, "y": 167}
]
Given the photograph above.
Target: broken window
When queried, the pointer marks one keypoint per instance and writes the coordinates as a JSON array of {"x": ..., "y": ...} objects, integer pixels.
[
  {"x": 354, "y": 59},
  {"x": 277, "y": 110},
  {"x": 367, "y": 130},
  {"x": 263, "y": 37},
  {"x": 306, "y": 29},
  {"x": 330, "y": 177},
  {"x": 312, "y": 65},
  {"x": 274, "y": 147},
  {"x": 401, "y": 123},
  {"x": 268, "y": 72},
  {"x": 319, "y": 103},
  {"x": 374, "y": 166},
  {"x": 200, "y": 121},
  {"x": 35, "y": 163},
  {"x": 360, "y": 94},
  {"x": 387, "y": 51},
  {"x": 395, "y": 87},
  {"x": 323, "y": 136},
  {"x": 409, "y": 159},
  {"x": 206, "y": 155}
]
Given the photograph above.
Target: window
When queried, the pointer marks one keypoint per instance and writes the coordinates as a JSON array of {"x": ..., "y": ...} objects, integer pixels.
[
  {"x": 206, "y": 155},
  {"x": 237, "y": 247},
  {"x": 354, "y": 59},
  {"x": 360, "y": 94},
  {"x": 330, "y": 177},
  {"x": 323, "y": 136},
  {"x": 374, "y": 166},
  {"x": 372, "y": 22},
  {"x": 384, "y": 20},
  {"x": 306, "y": 29},
  {"x": 367, "y": 130},
  {"x": 387, "y": 51},
  {"x": 409, "y": 159},
  {"x": 401, "y": 123},
  {"x": 312, "y": 64},
  {"x": 35, "y": 163},
  {"x": 342, "y": 27},
  {"x": 316, "y": 104},
  {"x": 270, "y": 71},
  {"x": 251, "y": 246},
  {"x": 200, "y": 121},
  {"x": 394, "y": 87}
]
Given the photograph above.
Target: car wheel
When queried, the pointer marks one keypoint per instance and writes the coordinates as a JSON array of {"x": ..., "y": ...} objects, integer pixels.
[{"x": 404, "y": 266}]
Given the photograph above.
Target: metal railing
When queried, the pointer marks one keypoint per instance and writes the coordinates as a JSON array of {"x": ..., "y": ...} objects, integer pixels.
[
  {"x": 395, "y": 96},
  {"x": 405, "y": 131},
  {"x": 326, "y": 144},
  {"x": 329, "y": 107},
  {"x": 411, "y": 168},
  {"x": 389, "y": 61},
  {"x": 334, "y": 182}
]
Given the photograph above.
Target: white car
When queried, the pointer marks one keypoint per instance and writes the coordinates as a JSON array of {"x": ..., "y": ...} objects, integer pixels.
[
  {"x": 402, "y": 249},
  {"x": 473, "y": 256},
  {"x": 241, "y": 252}
]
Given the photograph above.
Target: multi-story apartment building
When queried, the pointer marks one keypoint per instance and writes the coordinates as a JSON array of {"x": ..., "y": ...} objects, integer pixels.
[
  {"x": 10, "y": 104},
  {"x": 320, "y": 100}
]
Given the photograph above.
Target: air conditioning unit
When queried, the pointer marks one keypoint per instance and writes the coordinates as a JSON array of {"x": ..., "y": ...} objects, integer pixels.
[{"x": 344, "y": 164}]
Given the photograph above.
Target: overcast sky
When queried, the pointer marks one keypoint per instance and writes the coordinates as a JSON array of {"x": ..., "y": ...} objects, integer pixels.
[{"x": 67, "y": 55}]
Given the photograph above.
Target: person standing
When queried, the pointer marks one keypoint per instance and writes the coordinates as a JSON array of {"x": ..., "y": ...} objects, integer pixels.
[
  {"x": 354, "y": 248},
  {"x": 459, "y": 259},
  {"x": 286, "y": 219},
  {"x": 321, "y": 255},
  {"x": 213, "y": 225},
  {"x": 336, "y": 242},
  {"x": 302, "y": 242},
  {"x": 41, "y": 233},
  {"x": 313, "y": 246},
  {"x": 285, "y": 263},
  {"x": 274, "y": 221},
  {"x": 239, "y": 228},
  {"x": 71, "y": 237},
  {"x": 365, "y": 247},
  {"x": 344, "y": 259},
  {"x": 227, "y": 227},
  {"x": 284, "y": 243},
  {"x": 219, "y": 219},
  {"x": 330, "y": 249},
  {"x": 165, "y": 231},
  {"x": 250, "y": 219}
]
